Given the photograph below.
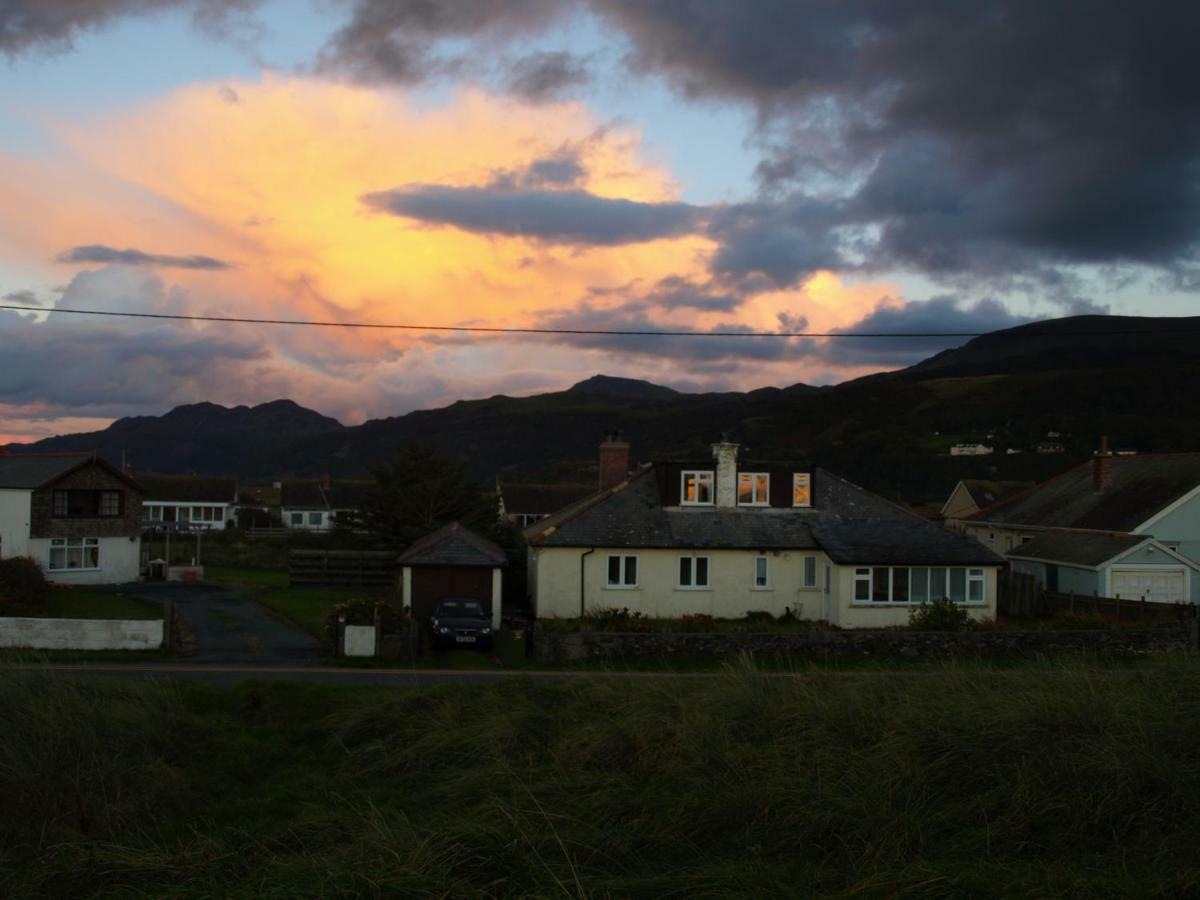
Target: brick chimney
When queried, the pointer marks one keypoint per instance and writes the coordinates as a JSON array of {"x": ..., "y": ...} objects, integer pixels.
[
  {"x": 725, "y": 453},
  {"x": 614, "y": 460},
  {"x": 326, "y": 481},
  {"x": 1102, "y": 468}
]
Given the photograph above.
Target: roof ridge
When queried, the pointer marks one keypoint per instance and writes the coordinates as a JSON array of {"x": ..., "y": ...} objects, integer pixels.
[
  {"x": 1028, "y": 492},
  {"x": 548, "y": 527}
]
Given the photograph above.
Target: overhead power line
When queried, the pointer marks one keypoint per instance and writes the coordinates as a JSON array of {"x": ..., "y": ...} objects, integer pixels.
[{"x": 621, "y": 332}]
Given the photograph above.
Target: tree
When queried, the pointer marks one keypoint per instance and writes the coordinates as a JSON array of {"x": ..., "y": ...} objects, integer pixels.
[{"x": 420, "y": 491}]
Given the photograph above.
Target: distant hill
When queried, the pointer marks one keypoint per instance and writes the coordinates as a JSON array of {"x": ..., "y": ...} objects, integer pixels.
[{"x": 1130, "y": 378}]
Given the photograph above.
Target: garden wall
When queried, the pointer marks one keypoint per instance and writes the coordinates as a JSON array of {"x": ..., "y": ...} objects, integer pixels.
[
  {"x": 81, "y": 634},
  {"x": 568, "y": 646}
]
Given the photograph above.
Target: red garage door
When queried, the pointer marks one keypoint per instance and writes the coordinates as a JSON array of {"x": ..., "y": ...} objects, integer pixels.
[{"x": 431, "y": 584}]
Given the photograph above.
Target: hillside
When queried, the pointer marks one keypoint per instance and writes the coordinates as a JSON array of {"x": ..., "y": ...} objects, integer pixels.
[{"x": 1082, "y": 376}]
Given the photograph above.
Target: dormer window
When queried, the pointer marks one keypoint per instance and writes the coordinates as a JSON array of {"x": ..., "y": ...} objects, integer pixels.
[
  {"x": 753, "y": 488},
  {"x": 801, "y": 489},
  {"x": 697, "y": 488}
]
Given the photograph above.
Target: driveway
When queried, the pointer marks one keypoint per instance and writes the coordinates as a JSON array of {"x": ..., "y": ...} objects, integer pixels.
[{"x": 226, "y": 626}]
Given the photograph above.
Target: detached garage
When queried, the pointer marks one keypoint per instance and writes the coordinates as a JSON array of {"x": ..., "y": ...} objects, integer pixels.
[
  {"x": 1131, "y": 567},
  {"x": 452, "y": 562}
]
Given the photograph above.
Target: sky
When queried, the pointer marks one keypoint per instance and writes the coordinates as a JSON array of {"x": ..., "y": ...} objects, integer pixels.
[{"x": 687, "y": 165}]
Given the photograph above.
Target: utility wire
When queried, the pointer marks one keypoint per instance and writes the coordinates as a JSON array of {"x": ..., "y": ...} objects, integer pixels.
[{"x": 584, "y": 331}]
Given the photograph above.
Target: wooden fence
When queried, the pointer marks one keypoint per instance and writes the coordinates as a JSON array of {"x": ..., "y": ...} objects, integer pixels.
[
  {"x": 342, "y": 568},
  {"x": 1021, "y": 595},
  {"x": 256, "y": 532}
]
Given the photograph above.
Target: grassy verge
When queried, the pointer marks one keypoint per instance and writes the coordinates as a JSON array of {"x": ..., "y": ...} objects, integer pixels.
[
  {"x": 79, "y": 603},
  {"x": 952, "y": 783}
]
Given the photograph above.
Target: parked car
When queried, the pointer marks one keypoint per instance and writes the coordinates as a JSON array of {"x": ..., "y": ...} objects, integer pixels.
[{"x": 460, "y": 622}]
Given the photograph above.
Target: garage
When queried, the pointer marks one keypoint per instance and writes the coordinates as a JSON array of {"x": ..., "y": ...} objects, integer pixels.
[
  {"x": 452, "y": 562},
  {"x": 1160, "y": 584}
]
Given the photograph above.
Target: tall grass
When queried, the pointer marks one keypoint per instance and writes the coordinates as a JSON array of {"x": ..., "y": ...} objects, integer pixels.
[{"x": 1054, "y": 781}]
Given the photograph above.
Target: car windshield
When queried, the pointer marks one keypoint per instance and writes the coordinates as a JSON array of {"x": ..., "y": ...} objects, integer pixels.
[{"x": 460, "y": 608}]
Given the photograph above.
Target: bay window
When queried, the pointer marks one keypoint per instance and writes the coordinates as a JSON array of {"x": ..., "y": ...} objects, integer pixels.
[{"x": 919, "y": 584}]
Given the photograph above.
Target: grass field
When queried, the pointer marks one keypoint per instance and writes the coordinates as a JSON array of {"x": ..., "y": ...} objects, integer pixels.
[
  {"x": 1049, "y": 781},
  {"x": 80, "y": 603}
]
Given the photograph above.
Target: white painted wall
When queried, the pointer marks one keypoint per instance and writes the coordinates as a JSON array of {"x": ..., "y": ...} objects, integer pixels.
[
  {"x": 326, "y": 523},
  {"x": 554, "y": 579},
  {"x": 15, "y": 513},
  {"x": 81, "y": 634},
  {"x": 120, "y": 562},
  {"x": 190, "y": 505},
  {"x": 731, "y": 594}
]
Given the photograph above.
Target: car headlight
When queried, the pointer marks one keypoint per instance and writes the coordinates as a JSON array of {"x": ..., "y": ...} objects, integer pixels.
[
  {"x": 485, "y": 630},
  {"x": 444, "y": 629}
]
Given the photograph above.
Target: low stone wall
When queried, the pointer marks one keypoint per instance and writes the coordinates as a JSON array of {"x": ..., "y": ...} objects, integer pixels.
[
  {"x": 81, "y": 634},
  {"x": 399, "y": 645},
  {"x": 569, "y": 646}
]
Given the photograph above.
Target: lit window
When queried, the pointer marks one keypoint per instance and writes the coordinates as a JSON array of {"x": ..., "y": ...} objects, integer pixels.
[
  {"x": 801, "y": 489},
  {"x": 761, "y": 572},
  {"x": 622, "y": 571},
  {"x": 697, "y": 488},
  {"x": 693, "y": 571},
  {"x": 753, "y": 488}
]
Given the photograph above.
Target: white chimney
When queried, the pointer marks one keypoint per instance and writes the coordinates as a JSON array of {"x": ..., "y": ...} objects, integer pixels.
[{"x": 725, "y": 454}]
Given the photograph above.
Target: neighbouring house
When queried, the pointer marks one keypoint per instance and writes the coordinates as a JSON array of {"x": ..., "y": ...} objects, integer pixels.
[
  {"x": 970, "y": 450},
  {"x": 523, "y": 504},
  {"x": 724, "y": 537},
  {"x": 1124, "y": 526},
  {"x": 188, "y": 501},
  {"x": 316, "y": 505},
  {"x": 78, "y": 516},
  {"x": 452, "y": 562},
  {"x": 972, "y": 494}
]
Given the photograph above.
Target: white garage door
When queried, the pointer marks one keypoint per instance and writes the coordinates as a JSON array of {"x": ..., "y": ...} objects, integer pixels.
[{"x": 1159, "y": 586}]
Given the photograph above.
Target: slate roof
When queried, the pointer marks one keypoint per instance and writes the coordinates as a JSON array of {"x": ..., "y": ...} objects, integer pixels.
[
  {"x": 188, "y": 488},
  {"x": 849, "y": 523},
  {"x": 1141, "y": 486},
  {"x": 309, "y": 494},
  {"x": 542, "y": 499},
  {"x": 985, "y": 493},
  {"x": 30, "y": 471},
  {"x": 33, "y": 471},
  {"x": 454, "y": 545},
  {"x": 1076, "y": 548}
]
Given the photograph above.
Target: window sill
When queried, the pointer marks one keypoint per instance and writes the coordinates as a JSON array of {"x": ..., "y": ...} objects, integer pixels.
[
  {"x": 753, "y": 505},
  {"x": 693, "y": 589},
  {"x": 686, "y": 503},
  {"x": 809, "y": 588},
  {"x": 620, "y": 587},
  {"x": 874, "y": 604}
]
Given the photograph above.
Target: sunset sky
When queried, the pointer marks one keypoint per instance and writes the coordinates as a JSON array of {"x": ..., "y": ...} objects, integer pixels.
[{"x": 696, "y": 166}]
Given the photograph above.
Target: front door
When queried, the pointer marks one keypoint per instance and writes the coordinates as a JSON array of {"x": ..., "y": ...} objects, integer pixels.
[{"x": 825, "y": 611}]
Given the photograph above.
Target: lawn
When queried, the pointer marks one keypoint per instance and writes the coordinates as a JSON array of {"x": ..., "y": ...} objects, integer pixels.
[
  {"x": 1054, "y": 781},
  {"x": 78, "y": 603}
]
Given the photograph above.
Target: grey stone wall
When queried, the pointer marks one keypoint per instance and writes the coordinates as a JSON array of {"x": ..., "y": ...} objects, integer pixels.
[
  {"x": 93, "y": 477},
  {"x": 570, "y": 646}
]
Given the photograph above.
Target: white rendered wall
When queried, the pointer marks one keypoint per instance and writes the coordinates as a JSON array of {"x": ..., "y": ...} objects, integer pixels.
[
  {"x": 81, "y": 634},
  {"x": 120, "y": 562},
  {"x": 15, "y": 509}
]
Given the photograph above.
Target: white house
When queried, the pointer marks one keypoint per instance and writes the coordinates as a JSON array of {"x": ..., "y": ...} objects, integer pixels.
[
  {"x": 311, "y": 505},
  {"x": 195, "y": 501},
  {"x": 725, "y": 537},
  {"x": 76, "y": 515},
  {"x": 1117, "y": 525},
  {"x": 971, "y": 450}
]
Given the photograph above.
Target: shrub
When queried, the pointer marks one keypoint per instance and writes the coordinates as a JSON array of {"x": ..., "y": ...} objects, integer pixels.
[
  {"x": 759, "y": 617},
  {"x": 23, "y": 587},
  {"x": 695, "y": 622},
  {"x": 942, "y": 614},
  {"x": 361, "y": 611},
  {"x": 612, "y": 618}
]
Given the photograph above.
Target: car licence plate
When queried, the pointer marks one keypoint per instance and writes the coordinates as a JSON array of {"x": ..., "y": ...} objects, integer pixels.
[{"x": 464, "y": 639}]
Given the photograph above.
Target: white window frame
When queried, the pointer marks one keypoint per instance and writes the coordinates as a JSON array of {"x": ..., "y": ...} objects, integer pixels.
[
  {"x": 766, "y": 573},
  {"x": 320, "y": 519},
  {"x": 295, "y": 519},
  {"x": 752, "y": 479},
  {"x": 971, "y": 575},
  {"x": 68, "y": 544},
  {"x": 802, "y": 478},
  {"x": 702, "y": 476},
  {"x": 623, "y": 584},
  {"x": 693, "y": 572},
  {"x": 805, "y": 561}
]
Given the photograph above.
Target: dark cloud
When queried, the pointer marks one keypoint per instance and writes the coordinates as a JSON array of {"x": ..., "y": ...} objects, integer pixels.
[
  {"x": 22, "y": 298},
  {"x": 564, "y": 217},
  {"x": 784, "y": 242},
  {"x": 396, "y": 40},
  {"x": 938, "y": 314},
  {"x": 54, "y": 24},
  {"x": 992, "y": 136},
  {"x": 674, "y": 292},
  {"x": 546, "y": 77},
  {"x": 563, "y": 168},
  {"x": 98, "y": 253}
]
